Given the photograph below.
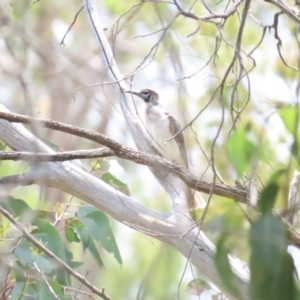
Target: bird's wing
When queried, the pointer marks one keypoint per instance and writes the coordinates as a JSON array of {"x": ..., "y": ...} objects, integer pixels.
[{"x": 175, "y": 128}]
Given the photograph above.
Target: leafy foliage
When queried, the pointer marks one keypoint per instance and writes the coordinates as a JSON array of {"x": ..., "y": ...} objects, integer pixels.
[
  {"x": 223, "y": 266},
  {"x": 290, "y": 118},
  {"x": 242, "y": 149},
  {"x": 88, "y": 227},
  {"x": 271, "y": 266}
]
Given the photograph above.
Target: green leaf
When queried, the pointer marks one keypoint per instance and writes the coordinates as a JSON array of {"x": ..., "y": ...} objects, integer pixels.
[
  {"x": 268, "y": 195},
  {"x": 80, "y": 229},
  {"x": 44, "y": 263},
  {"x": 24, "y": 252},
  {"x": 115, "y": 183},
  {"x": 48, "y": 235},
  {"x": 224, "y": 269},
  {"x": 18, "y": 289},
  {"x": 277, "y": 174},
  {"x": 31, "y": 288},
  {"x": 18, "y": 208},
  {"x": 267, "y": 198},
  {"x": 59, "y": 290},
  {"x": 286, "y": 278},
  {"x": 95, "y": 253},
  {"x": 85, "y": 236},
  {"x": 44, "y": 292},
  {"x": 75, "y": 264},
  {"x": 84, "y": 210},
  {"x": 289, "y": 117},
  {"x": 241, "y": 149},
  {"x": 270, "y": 267},
  {"x": 99, "y": 227},
  {"x": 83, "y": 233},
  {"x": 70, "y": 232}
]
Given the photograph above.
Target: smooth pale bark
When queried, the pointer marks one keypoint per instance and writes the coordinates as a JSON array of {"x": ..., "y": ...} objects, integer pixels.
[
  {"x": 172, "y": 228},
  {"x": 202, "y": 254}
]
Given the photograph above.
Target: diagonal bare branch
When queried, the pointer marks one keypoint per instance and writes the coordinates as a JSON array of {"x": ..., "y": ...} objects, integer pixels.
[
  {"x": 49, "y": 253},
  {"x": 172, "y": 228},
  {"x": 236, "y": 193}
]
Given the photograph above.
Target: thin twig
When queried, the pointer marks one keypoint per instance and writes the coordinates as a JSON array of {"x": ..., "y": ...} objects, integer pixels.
[
  {"x": 203, "y": 152},
  {"x": 75, "y": 18},
  {"x": 225, "y": 15},
  {"x": 57, "y": 260},
  {"x": 34, "y": 2},
  {"x": 46, "y": 281}
]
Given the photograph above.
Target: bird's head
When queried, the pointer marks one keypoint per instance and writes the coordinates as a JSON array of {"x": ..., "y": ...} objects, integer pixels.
[{"x": 149, "y": 96}]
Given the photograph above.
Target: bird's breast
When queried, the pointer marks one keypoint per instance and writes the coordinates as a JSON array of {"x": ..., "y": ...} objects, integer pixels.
[{"x": 160, "y": 136}]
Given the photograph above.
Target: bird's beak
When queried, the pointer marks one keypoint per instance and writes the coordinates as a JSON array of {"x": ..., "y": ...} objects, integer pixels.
[{"x": 133, "y": 92}]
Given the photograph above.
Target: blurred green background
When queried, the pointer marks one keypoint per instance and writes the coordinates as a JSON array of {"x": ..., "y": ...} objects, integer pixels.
[{"x": 41, "y": 77}]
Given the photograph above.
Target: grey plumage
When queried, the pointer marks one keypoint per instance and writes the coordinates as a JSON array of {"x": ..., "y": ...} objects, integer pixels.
[{"x": 164, "y": 133}]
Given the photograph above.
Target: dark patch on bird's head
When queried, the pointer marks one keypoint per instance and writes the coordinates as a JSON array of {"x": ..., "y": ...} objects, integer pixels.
[{"x": 148, "y": 95}]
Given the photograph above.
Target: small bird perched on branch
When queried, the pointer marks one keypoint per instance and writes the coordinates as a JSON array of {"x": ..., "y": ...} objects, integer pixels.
[{"x": 165, "y": 135}]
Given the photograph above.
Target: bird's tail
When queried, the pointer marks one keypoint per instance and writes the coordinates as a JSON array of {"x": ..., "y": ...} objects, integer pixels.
[
  {"x": 195, "y": 200},
  {"x": 195, "y": 203},
  {"x": 199, "y": 202},
  {"x": 191, "y": 200}
]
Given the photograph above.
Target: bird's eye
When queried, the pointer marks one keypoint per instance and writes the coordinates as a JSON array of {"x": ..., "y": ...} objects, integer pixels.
[{"x": 146, "y": 94}]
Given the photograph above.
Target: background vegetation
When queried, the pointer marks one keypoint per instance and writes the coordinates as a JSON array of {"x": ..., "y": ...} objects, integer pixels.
[{"x": 233, "y": 78}]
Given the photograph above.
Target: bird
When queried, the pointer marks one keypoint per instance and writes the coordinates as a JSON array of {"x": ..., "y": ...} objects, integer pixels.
[{"x": 165, "y": 134}]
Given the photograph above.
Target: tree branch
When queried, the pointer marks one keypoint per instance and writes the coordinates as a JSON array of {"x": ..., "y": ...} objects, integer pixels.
[
  {"x": 13, "y": 181},
  {"x": 285, "y": 9},
  {"x": 224, "y": 15},
  {"x": 236, "y": 193},
  {"x": 59, "y": 262},
  {"x": 168, "y": 181},
  {"x": 60, "y": 156},
  {"x": 174, "y": 229}
]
